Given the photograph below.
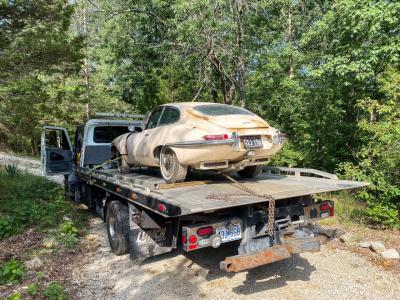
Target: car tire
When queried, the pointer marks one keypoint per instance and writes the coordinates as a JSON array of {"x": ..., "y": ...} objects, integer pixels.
[
  {"x": 122, "y": 165},
  {"x": 118, "y": 227},
  {"x": 250, "y": 171},
  {"x": 171, "y": 169}
]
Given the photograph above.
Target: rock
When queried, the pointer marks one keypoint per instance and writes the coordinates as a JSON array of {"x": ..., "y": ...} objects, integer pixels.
[
  {"x": 34, "y": 264},
  {"x": 377, "y": 247},
  {"x": 366, "y": 244},
  {"x": 90, "y": 237},
  {"x": 49, "y": 243},
  {"x": 346, "y": 238},
  {"x": 390, "y": 254}
]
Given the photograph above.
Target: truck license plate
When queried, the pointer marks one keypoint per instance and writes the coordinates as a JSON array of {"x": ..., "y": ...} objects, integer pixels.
[
  {"x": 229, "y": 234},
  {"x": 252, "y": 142}
]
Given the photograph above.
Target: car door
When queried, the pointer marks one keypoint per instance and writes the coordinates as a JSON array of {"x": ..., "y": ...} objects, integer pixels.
[
  {"x": 143, "y": 151},
  {"x": 55, "y": 151}
]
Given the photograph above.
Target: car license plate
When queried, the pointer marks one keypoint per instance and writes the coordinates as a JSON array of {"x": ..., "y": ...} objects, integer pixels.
[
  {"x": 252, "y": 142},
  {"x": 229, "y": 234}
]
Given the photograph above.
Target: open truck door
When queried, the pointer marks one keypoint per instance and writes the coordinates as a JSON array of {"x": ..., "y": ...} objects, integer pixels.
[{"x": 56, "y": 151}]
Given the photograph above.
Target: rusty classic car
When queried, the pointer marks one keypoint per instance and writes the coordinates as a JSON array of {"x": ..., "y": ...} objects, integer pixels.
[{"x": 201, "y": 136}]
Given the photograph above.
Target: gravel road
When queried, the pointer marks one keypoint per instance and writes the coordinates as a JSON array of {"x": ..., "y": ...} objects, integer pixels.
[{"x": 330, "y": 274}]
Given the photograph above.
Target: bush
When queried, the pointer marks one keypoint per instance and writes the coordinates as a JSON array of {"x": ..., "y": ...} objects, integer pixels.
[
  {"x": 12, "y": 272},
  {"x": 12, "y": 170},
  {"x": 55, "y": 291},
  {"x": 33, "y": 289},
  {"x": 67, "y": 233}
]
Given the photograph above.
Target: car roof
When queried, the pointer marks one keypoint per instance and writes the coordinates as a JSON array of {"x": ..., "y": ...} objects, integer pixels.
[{"x": 190, "y": 104}]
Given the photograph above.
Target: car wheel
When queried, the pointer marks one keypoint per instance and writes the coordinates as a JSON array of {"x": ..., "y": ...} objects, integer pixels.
[
  {"x": 122, "y": 165},
  {"x": 171, "y": 169},
  {"x": 250, "y": 171},
  {"x": 118, "y": 227}
]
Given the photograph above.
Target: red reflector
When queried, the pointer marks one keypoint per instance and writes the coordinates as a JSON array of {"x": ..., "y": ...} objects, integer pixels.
[
  {"x": 331, "y": 211},
  {"x": 193, "y": 239},
  {"x": 324, "y": 206},
  {"x": 192, "y": 247},
  {"x": 184, "y": 239},
  {"x": 162, "y": 207},
  {"x": 216, "y": 137},
  {"x": 205, "y": 231}
]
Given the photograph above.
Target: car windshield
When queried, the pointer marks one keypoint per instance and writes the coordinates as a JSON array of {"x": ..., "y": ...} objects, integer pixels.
[{"x": 221, "y": 110}]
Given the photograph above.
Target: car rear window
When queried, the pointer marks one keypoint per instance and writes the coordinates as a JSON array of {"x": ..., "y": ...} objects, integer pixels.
[
  {"x": 105, "y": 134},
  {"x": 221, "y": 110}
]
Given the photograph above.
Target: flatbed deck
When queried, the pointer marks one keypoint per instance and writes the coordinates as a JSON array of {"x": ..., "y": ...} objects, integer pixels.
[{"x": 206, "y": 192}]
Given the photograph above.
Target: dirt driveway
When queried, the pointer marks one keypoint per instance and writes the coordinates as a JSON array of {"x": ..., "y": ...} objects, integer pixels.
[{"x": 333, "y": 273}]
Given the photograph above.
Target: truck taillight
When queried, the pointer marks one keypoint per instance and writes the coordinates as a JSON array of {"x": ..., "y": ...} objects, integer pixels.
[
  {"x": 216, "y": 137},
  {"x": 193, "y": 239},
  {"x": 205, "y": 231},
  {"x": 184, "y": 239},
  {"x": 327, "y": 208}
]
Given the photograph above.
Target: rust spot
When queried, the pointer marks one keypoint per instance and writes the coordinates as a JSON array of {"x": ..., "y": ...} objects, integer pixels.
[
  {"x": 248, "y": 261},
  {"x": 197, "y": 115}
]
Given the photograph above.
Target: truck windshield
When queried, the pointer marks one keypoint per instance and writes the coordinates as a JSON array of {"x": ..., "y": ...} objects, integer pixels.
[
  {"x": 105, "y": 134},
  {"x": 221, "y": 110}
]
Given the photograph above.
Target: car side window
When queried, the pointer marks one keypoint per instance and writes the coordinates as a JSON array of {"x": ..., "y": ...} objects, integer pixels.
[
  {"x": 154, "y": 117},
  {"x": 170, "y": 115}
]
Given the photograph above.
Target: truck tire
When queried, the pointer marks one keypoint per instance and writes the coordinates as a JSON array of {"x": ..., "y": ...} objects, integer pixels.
[
  {"x": 118, "y": 227},
  {"x": 250, "y": 171},
  {"x": 123, "y": 166},
  {"x": 171, "y": 169}
]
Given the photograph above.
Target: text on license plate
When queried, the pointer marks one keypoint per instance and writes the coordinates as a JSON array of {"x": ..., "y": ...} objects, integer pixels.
[
  {"x": 252, "y": 142},
  {"x": 229, "y": 234}
]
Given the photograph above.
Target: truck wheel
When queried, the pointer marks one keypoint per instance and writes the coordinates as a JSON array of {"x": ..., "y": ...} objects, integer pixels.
[
  {"x": 118, "y": 227},
  {"x": 171, "y": 169},
  {"x": 250, "y": 171},
  {"x": 123, "y": 166}
]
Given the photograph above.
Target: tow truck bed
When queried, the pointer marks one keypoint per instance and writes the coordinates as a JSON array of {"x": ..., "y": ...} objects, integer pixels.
[{"x": 206, "y": 193}]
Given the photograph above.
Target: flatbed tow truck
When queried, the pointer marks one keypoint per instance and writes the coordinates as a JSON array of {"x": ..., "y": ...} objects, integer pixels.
[{"x": 271, "y": 216}]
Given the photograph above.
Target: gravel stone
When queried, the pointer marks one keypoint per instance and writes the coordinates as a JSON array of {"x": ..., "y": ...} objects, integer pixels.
[
  {"x": 390, "y": 254},
  {"x": 34, "y": 264},
  {"x": 377, "y": 247},
  {"x": 365, "y": 244}
]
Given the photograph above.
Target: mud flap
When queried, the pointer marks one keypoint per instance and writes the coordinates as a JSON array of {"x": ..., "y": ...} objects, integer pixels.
[{"x": 141, "y": 244}]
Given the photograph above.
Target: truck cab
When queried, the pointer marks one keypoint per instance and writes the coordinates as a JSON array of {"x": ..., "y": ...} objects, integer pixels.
[{"x": 91, "y": 146}]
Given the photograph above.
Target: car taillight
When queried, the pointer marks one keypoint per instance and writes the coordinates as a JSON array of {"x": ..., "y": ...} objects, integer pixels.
[
  {"x": 331, "y": 211},
  {"x": 205, "y": 231},
  {"x": 216, "y": 137}
]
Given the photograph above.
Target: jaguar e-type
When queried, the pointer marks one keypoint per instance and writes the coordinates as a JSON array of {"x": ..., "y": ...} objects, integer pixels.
[{"x": 200, "y": 136}]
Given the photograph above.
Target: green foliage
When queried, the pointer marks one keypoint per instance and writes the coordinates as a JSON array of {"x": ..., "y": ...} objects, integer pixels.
[
  {"x": 27, "y": 200},
  {"x": 67, "y": 233},
  {"x": 33, "y": 289},
  {"x": 378, "y": 156},
  {"x": 55, "y": 291},
  {"x": 12, "y": 272},
  {"x": 15, "y": 296},
  {"x": 12, "y": 170}
]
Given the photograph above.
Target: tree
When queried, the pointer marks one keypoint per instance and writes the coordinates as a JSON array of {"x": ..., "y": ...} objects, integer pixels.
[{"x": 38, "y": 55}]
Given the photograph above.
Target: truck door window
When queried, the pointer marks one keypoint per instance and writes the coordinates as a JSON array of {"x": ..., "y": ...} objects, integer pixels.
[{"x": 56, "y": 139}]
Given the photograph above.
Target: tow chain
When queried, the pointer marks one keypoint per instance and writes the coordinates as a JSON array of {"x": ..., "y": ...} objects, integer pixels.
[{"x": 269, "y": 198}]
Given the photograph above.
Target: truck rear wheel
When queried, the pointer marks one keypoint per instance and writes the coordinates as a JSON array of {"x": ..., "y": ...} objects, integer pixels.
[
  {"x": 171, "y": 169},
  {"x": 118, "y": 227},
  {"x": 250, "y": 171}
]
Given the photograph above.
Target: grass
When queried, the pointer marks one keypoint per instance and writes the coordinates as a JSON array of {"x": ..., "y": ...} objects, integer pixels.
[
  {"x": 32, "y": 202},
  {"x": 27, "y": 200}
]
